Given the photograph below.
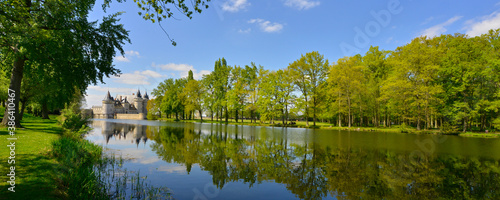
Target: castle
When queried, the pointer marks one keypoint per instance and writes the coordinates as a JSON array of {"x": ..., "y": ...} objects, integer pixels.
[{"x": 121, "y": 108}]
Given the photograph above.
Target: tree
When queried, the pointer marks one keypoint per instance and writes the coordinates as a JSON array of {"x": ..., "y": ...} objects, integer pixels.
[
  {"x": 209, "y": 100},
  {"x": 251, "y": 78},
  {"x": 309, "y": 73},
  {"x": 153, "y": 108},
  {"x": 377, "y": 71},
  {"x": 157, "y": 10},
  {"x": 284, "y": 88},
  {"x": 222, "y": 85},
  {"x": 194, "y": 93},
  {"x": 190, "y": 75},
  {"x": 347, "y": 76},
  {"x": 416, "y": 67},
  {"x": 57, "y": 36},
  {"x": 237, "y": 95}
]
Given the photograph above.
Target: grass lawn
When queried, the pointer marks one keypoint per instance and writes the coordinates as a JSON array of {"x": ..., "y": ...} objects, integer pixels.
[
  {"x": 35, "y": 168},
  {"x": 481, "y": 135},
  {"x": 300, "y": 124}
]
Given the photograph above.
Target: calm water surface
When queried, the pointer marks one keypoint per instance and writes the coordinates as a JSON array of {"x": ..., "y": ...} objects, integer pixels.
[{"x": 212, "y": 161}]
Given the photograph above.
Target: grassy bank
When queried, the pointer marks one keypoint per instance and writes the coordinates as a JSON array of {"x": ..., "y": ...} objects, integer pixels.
[
  {"x": 324, "y": 125},
  {"x": 50, "y": 163},
  {"x": 56, "y": 163},
  {"x": 480, "y": 135},
  {"x": 301, "y": 124},
  {"x": 35, "y": 166}
]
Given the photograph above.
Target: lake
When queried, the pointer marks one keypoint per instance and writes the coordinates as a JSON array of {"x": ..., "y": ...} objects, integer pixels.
[{"x": 216, "y": 161}]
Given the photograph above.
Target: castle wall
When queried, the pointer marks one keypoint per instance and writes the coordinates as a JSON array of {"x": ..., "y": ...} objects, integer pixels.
[{"x": 131, "y": 116}]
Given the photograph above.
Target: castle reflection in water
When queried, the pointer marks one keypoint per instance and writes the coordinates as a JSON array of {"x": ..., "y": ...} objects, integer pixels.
[{"x": 133, "y": 132}]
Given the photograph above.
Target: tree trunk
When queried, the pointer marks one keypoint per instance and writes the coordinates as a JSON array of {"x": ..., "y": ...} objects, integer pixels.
[
  {"x": 251, "y": 116},
  {"x": 307, "y": 121},
  {"x": 15, "y": 87},
  {"x": 314, "y": 112},
  {"x": 236, "y": 116},
  {"x": 283, "y": 117},
  {"x": 23, "y": 106},
  {"x": 201, "y": 116},
  {"x": 45, "y": 110},
  {"x": 349, "y": 106},
  {"x": 435, "y": 122},
  {"x": 340, "y": 119},
  {"x": 464, "y": 125},
  {"x": 227, "y": 114}
]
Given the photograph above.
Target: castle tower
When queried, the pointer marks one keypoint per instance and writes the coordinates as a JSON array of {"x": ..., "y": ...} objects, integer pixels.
[
  {"x": 108, "y": 106},
  {"x": 126, "y": 105},
  {"x": 138, "y": 102}
]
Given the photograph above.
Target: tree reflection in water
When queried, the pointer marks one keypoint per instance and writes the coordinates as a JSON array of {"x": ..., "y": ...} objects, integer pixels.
[{"x": 312, "y": 171}]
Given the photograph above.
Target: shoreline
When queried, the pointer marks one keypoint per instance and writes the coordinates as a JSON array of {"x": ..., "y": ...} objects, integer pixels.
[{"x": 327, "y": 126}]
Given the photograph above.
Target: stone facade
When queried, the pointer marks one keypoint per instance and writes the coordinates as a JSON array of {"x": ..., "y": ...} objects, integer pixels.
[{"x": 121, "y": 108}]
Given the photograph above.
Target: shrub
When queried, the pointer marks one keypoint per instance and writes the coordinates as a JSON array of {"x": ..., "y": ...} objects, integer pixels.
[{"x": 448, "y": 129}]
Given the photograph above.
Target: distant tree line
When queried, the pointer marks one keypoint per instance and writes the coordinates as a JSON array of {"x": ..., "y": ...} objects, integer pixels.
[{"x": 444, "y": 81}]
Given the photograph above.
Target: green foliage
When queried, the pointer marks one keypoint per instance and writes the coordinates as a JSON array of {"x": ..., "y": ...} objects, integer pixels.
[
  {"x": 426, "y": 84},
  {"x": 448, "y": 129},
  {"x": 72, "y": 119},
  {"x": 403, "y": 128},
  {"x": 158, "y": 10},
  {"x": 56, "y": 50}
]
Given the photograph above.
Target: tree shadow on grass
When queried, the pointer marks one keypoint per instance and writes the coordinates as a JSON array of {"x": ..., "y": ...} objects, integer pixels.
[{"x": 35, "y": 178}]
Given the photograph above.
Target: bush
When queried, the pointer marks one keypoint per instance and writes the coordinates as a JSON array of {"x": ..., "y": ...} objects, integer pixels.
[
  {"x": 72, "y": 119},
  {"x": 449, "y": 129},
  {"x": 403, "y": 128},
  {"x": 78, "y": 158}
]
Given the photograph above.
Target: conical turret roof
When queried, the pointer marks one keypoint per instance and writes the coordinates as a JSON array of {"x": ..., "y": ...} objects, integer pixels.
[
  {"x": 108, "y": 97},
  {"x": 138, "y": 95}
]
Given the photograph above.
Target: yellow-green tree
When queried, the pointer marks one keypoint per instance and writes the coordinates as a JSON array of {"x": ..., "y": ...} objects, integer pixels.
[
  {"x": 346, "y": 76},
  {"x": 309, "y": 73}
]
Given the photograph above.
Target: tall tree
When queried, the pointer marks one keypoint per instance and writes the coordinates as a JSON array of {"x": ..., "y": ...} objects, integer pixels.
[
  {"x": 347, "y": 77},
  {"x": 222, "y": 72},
  {"x": 251, "y": 78},
  {"x": 378, "y": 70},
  {"x": 56, "y": 35},
  {"x": 309, "y": 73},
  {"x": 237, "y": 95},
  {"x": 194, "y": 93}
]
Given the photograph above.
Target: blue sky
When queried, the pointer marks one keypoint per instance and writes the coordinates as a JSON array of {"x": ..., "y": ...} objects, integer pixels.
[{"x": 274, "y": 33}]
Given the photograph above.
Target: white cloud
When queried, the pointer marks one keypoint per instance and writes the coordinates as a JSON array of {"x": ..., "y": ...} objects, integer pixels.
[
  {"x": 182, "y": 69},
  {"x": 199, "y": 75},
  {"x": 132, "y": 53},
  {"x": 173, "y": 169},
  {"x": 427, "y": 20},
  {"x": 245, "y": 31},
  {"x": 174, "y": 67},
  {"x": 301, "y": 4},
  {"x": 440, "y": 28},
  {"x": 483, "y": 25},
  {"x": 234, "y": 5},
  {"x": 151, "y": 74},
  {"x": 128, "y": 54},
  {"x": 114, "y": 90},
  {"x": 267, "y": 26},
  {"x": 121, "y": 59},
  {"x": 138, "y": 78},
  {"x": 389, "y": 40}
]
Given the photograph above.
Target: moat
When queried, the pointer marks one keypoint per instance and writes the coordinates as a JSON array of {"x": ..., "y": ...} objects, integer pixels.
[{"x": 214, "y": 161}]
